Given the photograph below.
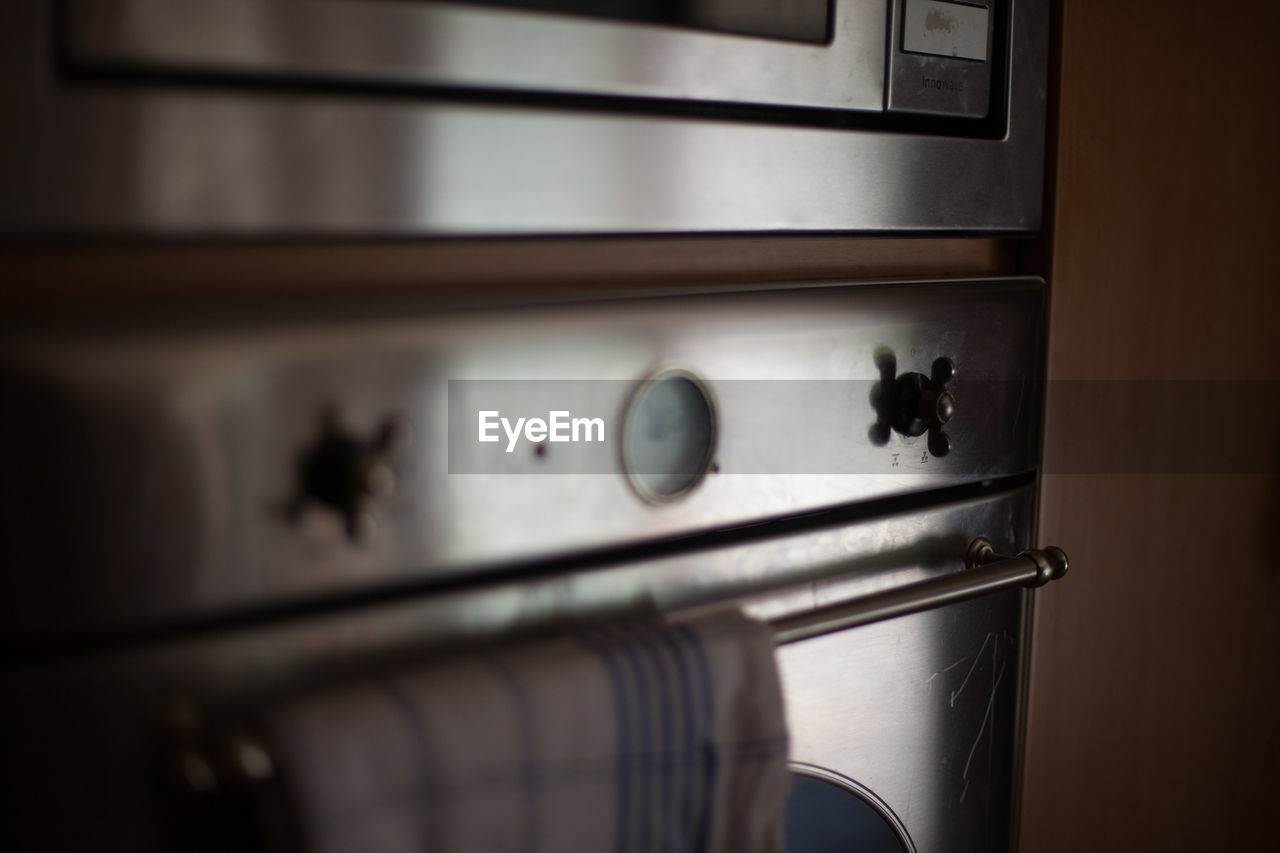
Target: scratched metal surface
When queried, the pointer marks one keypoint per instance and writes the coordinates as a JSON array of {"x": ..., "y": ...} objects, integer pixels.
[{"x": 923, "y": 711}]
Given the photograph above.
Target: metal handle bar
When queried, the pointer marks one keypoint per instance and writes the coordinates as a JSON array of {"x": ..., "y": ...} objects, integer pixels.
[
  {"x": 985, "y": 572},
  {"x": 246, "y": 761}
]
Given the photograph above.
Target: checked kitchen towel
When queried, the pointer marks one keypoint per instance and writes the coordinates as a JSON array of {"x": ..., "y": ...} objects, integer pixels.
[{"x": 633, "y": 738}]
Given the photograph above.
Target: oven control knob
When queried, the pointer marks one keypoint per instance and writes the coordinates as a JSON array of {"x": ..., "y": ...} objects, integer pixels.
[
  {"x": 344, "y": 473},
  {"x": 920, "y": 404}
]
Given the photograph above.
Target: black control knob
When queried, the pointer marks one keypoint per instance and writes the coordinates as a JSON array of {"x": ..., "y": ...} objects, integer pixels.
[
  {"x": 918, "y": 404},
  {"x": 343, "y": 472}
]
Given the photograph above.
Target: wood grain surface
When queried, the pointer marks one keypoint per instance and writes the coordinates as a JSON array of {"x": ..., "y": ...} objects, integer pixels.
[
  {"x": 1155, "y": 693},
  {"x": 54, "y": 274}
]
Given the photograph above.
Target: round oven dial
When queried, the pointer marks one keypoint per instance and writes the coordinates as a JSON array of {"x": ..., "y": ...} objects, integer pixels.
[
  {"x": 668, "y": 436},
  {"x": 343, "y": 472}
]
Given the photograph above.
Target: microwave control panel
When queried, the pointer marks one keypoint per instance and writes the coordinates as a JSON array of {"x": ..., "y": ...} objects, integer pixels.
[
  {"x": 940, "y": 58},
  {"x": 270, "y": 118}
]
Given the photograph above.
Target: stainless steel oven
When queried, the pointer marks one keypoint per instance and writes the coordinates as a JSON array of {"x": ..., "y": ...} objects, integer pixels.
[
  {"x": 208, "y": 510},
  {"x": 410, "y": 117}
]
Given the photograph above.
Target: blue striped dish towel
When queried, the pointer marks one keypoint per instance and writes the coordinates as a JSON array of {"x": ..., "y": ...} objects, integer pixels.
[{"x": 631, "y": 739}]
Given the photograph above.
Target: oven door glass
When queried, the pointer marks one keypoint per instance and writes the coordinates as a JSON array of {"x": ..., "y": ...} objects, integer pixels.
[{"x": 826, "y": 814}]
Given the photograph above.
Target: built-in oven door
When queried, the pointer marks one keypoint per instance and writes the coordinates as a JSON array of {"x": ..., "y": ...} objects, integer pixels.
[{"x": 915, "y": 718}]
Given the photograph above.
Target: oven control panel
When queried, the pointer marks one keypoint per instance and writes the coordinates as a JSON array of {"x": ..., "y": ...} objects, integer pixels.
[{"x": 221, "y": 464}]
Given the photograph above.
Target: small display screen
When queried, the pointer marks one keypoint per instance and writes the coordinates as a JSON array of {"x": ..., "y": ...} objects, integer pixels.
[
  {"x": 945, "y": 29},
  {"x": 793, "y": 20}
]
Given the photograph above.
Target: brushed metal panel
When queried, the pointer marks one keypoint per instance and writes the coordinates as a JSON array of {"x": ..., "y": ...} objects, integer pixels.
[
  {"x": 922, "y": 710},
  {"x": 192, "y": 435},
  {"x": 89, "y": 156}
]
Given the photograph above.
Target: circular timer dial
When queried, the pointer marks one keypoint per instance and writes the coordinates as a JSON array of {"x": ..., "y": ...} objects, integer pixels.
[{"x": 668, "y": 436}]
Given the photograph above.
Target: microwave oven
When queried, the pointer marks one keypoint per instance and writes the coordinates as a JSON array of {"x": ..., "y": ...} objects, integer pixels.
[{"x": 418, "y": 118}]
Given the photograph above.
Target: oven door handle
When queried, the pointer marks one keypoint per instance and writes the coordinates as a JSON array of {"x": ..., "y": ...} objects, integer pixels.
[{"x": 985, "y": 572}]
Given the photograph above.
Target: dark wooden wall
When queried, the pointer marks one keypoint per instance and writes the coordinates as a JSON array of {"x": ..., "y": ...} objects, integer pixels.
[
  {"x": 1155, "y": 706},
  {"x": 53, "y": 274}
]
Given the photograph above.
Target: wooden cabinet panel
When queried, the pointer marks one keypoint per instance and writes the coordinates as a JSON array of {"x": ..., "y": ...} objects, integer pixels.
[
  {"x": 55, "y": 274},
  {"x": 1155, "y": 698}
]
